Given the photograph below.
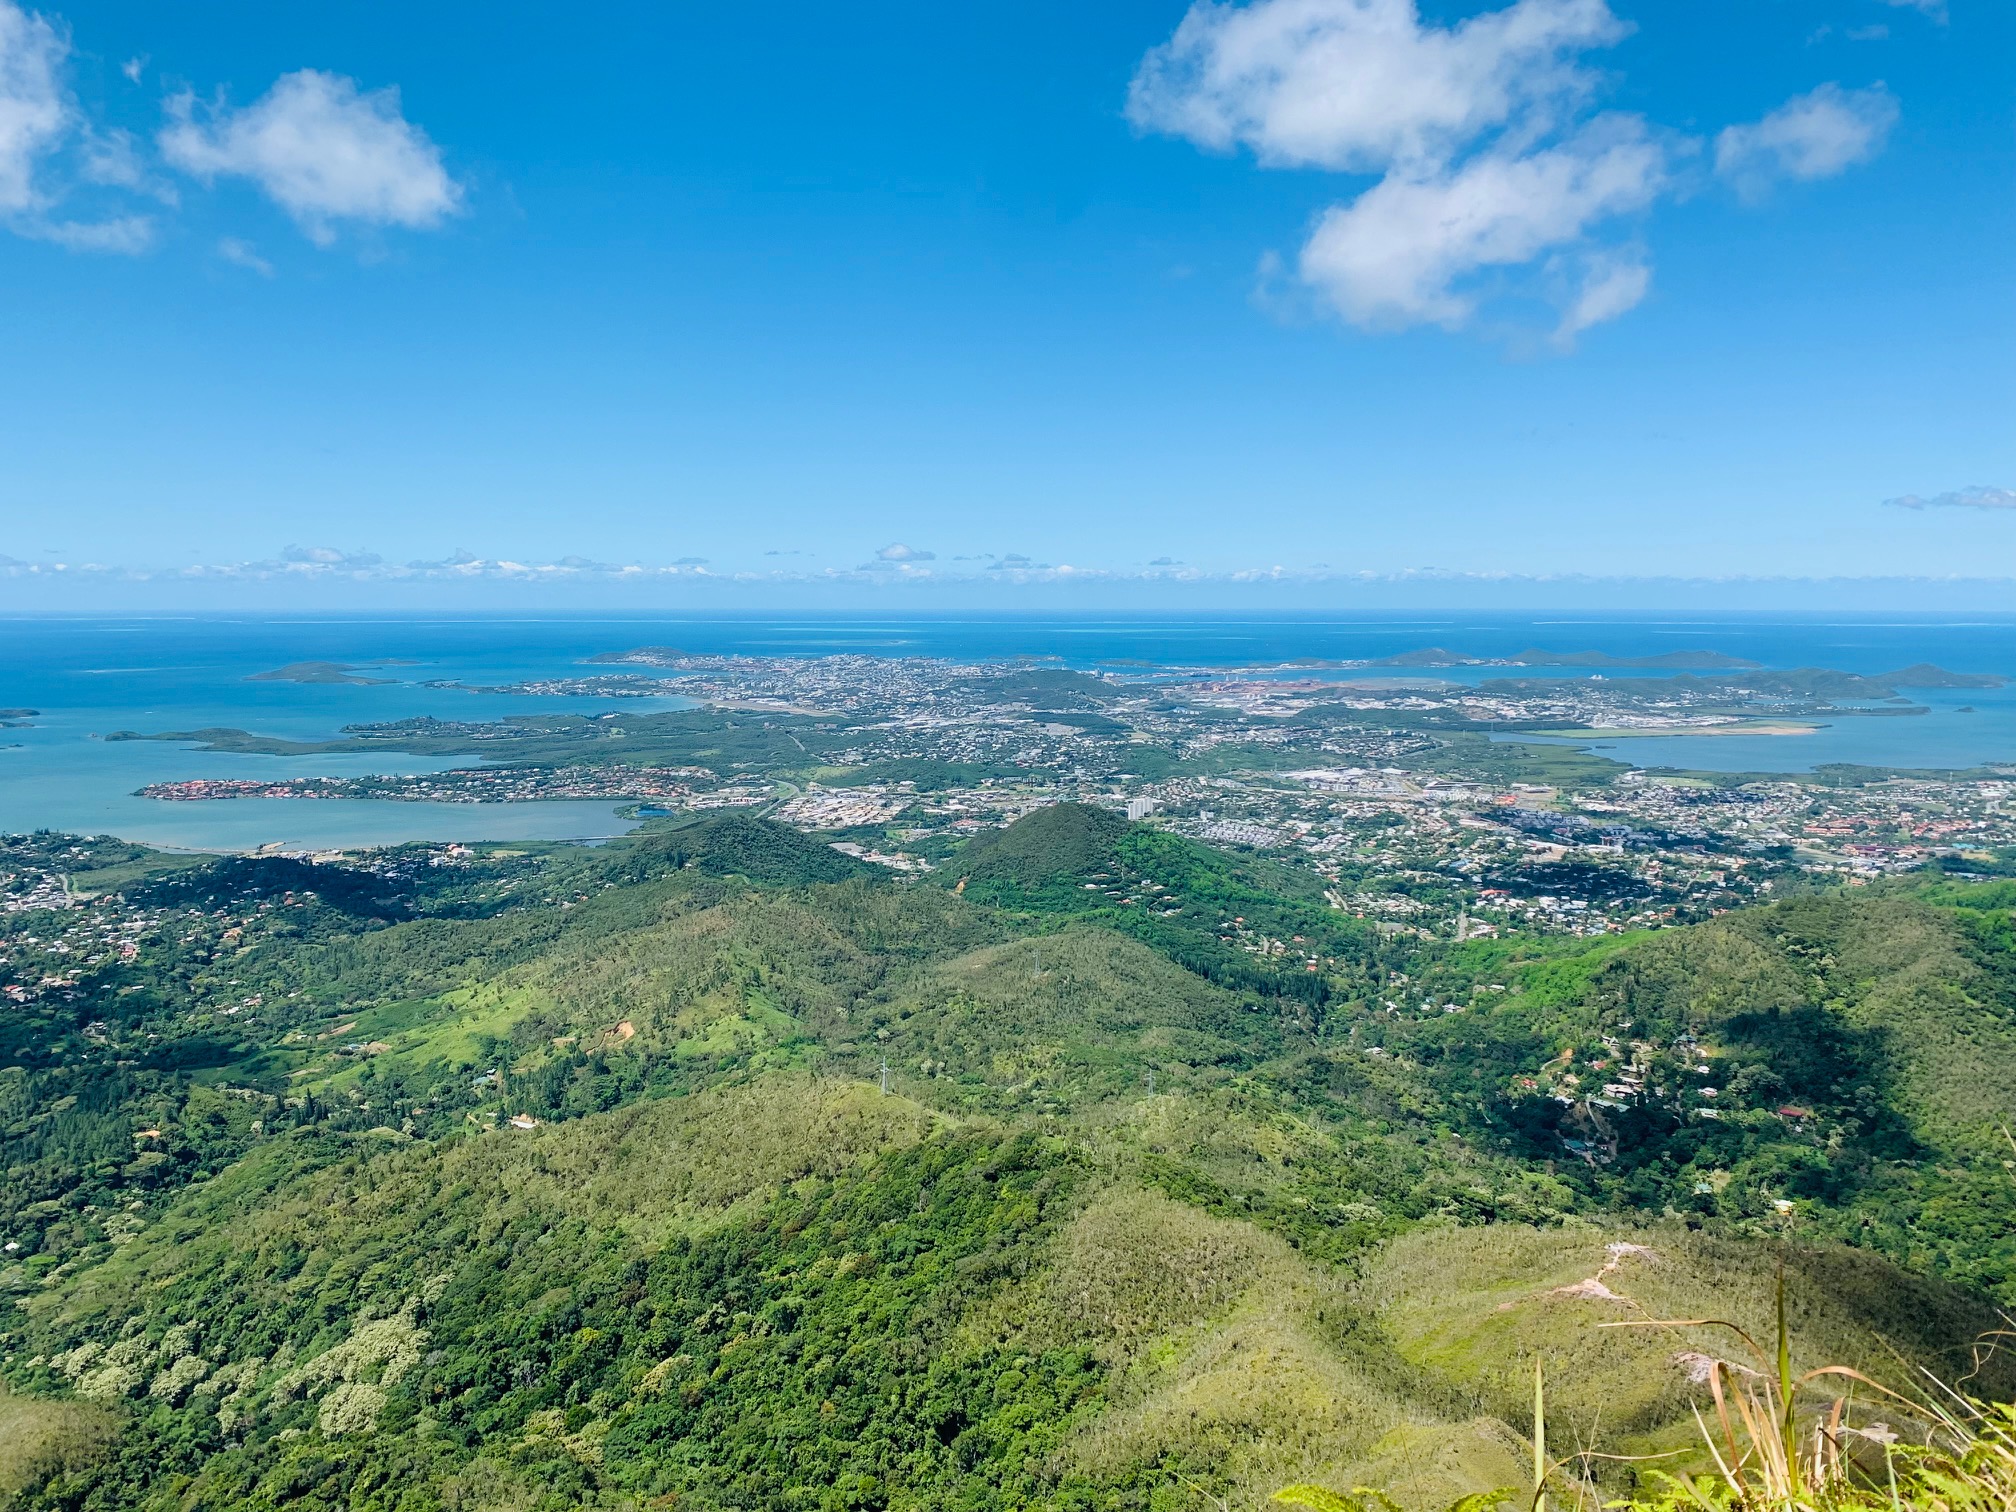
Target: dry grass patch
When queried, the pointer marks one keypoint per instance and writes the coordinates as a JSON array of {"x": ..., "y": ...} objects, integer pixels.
[
  {"x": 1224, "y": 1347},
  {"x": 1477, "y": 1306},
  {"x": 39, "y": 1436}
]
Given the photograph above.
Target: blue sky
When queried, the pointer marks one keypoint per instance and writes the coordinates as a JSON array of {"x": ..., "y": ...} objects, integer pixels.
[{"x": 817, "y": 299}]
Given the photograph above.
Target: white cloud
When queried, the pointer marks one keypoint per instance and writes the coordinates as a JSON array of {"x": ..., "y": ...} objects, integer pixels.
[
  {"x": 324, "y": 150},
  {"x": 1394, "y": 256},
  {"x": 1936, "y": 9},
  {"x": 898, "y": 552},
  {"x": 1811, "y": 136},
  {"x": 330, "y": 556},
  {"x": 1980, "y": 496},
  {"x": 34, "y": 112},
  {"x": 334, "y": 566},
  {"x": 38, "y": 120},
  {"x": 129, "y": 235},
  {"x": 322, "y": 563},
  {"x": 1612, "y": 283},
  {"x": 112, "y": 158},
  {"x": 1479, "y": 130},
  {"x": 1363, "y": 85},
  {"x": 1495, "y": 174},
  {"x": 245, "y": 255}
]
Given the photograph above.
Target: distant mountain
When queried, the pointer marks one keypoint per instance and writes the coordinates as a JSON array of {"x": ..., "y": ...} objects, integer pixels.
[
  {"x": 1820, "y": 682},
  {"x": 1925, "y": 675},
  {"x": 1812, "y": 682}
]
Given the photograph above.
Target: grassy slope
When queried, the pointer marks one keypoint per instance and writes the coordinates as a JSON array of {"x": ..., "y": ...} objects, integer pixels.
[
  {"x": 802, "y": 1284},
  {"x": 1883, "y": 1018},
  {"x": 1065, "y": 1019},
  {"x": 785, "y": 1290},
  {"x": 39, "y": 1437},
  {"x": 1475, "y": 1307}
]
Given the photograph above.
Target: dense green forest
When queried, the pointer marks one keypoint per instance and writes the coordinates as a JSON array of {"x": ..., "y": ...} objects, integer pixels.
[{"x": 1098, "y": 1169}]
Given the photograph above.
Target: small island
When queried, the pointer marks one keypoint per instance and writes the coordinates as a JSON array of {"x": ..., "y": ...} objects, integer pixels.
[{"x": 319, "y": 672}]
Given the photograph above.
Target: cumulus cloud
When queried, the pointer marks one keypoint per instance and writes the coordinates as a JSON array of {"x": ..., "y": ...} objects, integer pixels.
[
  {"x": 898, "y": 552},
  {"x": 1980, "y": 496},
  {"x": 1363, "y": 85},
  {"x": 1480, "y": 133},
  {"x": 1397, "y": 254},
  {"x": 1496, "y": 171},
  {"x": 1936, "y": 9},
  {"x": 323, "y": 149},
  {"x": 34, "y": 110},
  {"x": 1811, "y": 136}
]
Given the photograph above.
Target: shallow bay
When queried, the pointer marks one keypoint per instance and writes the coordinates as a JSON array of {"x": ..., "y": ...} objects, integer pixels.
[{"x": 90, "y": 676}]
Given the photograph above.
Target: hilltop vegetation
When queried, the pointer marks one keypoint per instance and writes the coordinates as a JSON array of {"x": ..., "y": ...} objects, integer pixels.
[
  {"x": 736, "y": 844},
  {"x": 1851, "y": 1046},
  {"x": 566, "y": 1177}
]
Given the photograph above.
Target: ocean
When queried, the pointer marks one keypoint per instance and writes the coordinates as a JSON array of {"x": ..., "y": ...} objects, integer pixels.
[{"x": 91, "y": 675}]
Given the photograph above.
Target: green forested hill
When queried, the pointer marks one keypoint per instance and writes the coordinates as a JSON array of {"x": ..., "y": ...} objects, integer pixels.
[
  {"x": 566, "y": 1178},
  {"x": 1850, "y": 1053}
]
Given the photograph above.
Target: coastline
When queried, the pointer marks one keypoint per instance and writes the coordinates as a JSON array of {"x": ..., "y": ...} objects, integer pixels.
[{"x": 1764, "y": 727}]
